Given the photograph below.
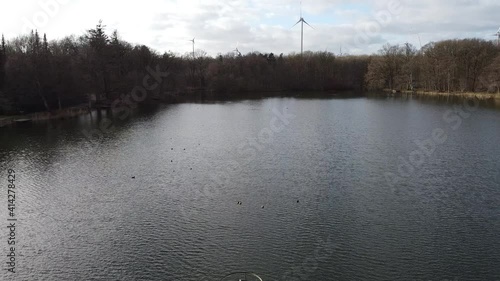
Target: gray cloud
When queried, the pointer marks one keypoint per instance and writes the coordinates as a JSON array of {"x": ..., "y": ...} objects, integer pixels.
[
  {"x": 263, "y": 25},
  {"x": 218, "y": 27}
]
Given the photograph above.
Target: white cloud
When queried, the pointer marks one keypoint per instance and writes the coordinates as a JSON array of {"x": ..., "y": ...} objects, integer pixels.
[{"x": 261, "y": 25}]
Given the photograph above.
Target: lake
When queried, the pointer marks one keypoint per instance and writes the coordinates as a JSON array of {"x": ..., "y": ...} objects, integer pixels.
[{"x": 288, "y": 188}]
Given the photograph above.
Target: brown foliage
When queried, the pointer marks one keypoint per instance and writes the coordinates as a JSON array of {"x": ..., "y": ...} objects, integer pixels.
[{"x": 451, "y": 65}]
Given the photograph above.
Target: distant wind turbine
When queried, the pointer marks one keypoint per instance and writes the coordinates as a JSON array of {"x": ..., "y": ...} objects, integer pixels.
[
  {"x": 498, "y": 37},
  {"x": 236, "y": 49},
  {"x": 193, "y": 46},
  {"x": 418, "y": 36},
  {"x": 302, "y": 21}
]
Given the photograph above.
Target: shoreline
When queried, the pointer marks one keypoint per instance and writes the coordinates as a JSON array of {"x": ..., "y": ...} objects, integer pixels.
[
  {"x": 65, "y": 113},
  {"x": 75, "y": 111},
  {"x": 191, "y": 96},
  {"x": 478, "y": 95}
]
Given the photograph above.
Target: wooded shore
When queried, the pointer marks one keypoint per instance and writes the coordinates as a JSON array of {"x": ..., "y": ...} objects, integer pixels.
[
  {"x": 462, "y": 95},
  {"x": 84, "y": 109}
]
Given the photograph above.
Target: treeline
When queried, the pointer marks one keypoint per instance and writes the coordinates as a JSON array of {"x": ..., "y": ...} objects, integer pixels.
[
  {"x": 468, "y": 65},
  {"x": 41, "y": 75}
]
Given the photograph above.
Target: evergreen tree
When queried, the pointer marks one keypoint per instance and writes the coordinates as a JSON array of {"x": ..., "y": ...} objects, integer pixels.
[
  {"x": 45, "y": 44},
  {"x": 98, "y": 58},
  {"x": 3, "y": 61}
]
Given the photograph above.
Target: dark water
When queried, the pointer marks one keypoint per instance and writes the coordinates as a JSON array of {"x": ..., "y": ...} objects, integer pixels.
[{"x": 347, "y": 193}]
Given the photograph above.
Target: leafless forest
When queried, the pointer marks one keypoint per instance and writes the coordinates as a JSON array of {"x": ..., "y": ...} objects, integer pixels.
[{"x": 38, "y": 74}]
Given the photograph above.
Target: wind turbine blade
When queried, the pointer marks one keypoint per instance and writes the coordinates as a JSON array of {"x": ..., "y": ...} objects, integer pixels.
[
  {"x": 297, "y": 22},
  {"x": 307, "y": 23}
]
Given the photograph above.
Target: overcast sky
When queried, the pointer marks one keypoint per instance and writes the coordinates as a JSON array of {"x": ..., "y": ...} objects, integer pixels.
[{"x": 359, "y": 27}]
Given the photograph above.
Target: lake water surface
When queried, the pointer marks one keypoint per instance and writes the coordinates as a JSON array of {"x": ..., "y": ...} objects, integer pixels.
[{"x": 330, "y": 189}]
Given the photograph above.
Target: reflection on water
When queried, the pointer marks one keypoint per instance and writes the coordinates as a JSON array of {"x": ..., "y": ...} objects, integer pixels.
[{"x": 156, "y": 196}]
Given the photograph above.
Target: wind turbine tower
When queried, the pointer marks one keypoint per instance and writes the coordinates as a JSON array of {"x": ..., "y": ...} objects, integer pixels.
[
  {"x": 193, "y": 46},
  {"x": 238, "y": 53},
  {"x": 498, "y": 37},
  {"x": 302, "y": 21}
]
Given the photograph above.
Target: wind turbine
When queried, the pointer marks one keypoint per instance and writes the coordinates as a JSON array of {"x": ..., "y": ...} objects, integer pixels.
[
  {"x": 302, "y": 21},
  {"x": 193, "y": 46},
  {"x": 418, "y": 37},
  {"x": 236, "y": 50},
  {"x": 498, "y": 37}
]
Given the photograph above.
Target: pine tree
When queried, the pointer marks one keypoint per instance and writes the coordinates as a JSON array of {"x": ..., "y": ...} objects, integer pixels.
[
  {"x": 3, "y": 45},
  {"x": 3, "y": 61},
  {"x": 38, "y": 66},
  {"x": 37, "y": 43},
  {"x": 45, "y": 44},
  {"x": 97, "y": 38},
  {"x": 99, "y": 43}
]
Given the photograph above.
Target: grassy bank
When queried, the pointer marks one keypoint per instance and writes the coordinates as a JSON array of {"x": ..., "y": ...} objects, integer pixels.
[
  {"x": 66, "y": 113},
  {"x": 194, "y": 95},
  {"x": 465, "y": 95}
]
